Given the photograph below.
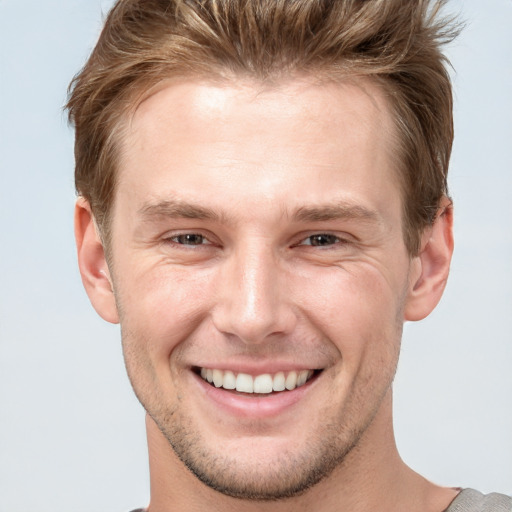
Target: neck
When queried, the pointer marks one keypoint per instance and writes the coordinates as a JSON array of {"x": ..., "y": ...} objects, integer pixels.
[{"x": 372, "y": 477}]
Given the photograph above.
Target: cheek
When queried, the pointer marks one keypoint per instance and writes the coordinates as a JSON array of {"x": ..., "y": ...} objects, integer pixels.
[
  {"x": 159, "y": 310},
  {"x": 161, "y": 307},
  {"x": 349, "y": 293},
  {"x": 358, "y": 309}
]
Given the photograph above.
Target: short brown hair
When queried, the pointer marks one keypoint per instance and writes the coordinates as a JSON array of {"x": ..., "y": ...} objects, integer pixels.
[{"x": 396, "y": 43}]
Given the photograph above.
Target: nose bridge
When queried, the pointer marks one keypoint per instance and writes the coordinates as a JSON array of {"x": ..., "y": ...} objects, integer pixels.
[{"x": 253, "y": 304}]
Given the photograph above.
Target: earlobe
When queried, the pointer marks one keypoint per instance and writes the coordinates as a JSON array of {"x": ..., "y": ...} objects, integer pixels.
[
  {"x": 92, "y": 263},
  {"x": 430, "y": 269}
]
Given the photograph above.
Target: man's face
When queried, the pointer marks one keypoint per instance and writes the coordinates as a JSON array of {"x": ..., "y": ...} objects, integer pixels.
[{"x": 258, "y": 232}]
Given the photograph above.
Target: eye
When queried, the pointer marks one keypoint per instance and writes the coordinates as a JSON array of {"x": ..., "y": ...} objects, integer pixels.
[
  {"x": 189, "y": 239},
  {"x": 321, "y": 240}
]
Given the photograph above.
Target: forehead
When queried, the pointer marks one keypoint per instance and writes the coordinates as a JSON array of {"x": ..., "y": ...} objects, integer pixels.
[
  {"x": 320, "y": 107},
  {"x": 244, "y": 141}
]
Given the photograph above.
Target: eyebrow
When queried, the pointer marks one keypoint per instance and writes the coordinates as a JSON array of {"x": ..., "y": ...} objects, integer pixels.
[
  {"x": 337, "y": 211},
  {"x": 178, "y": 209}
]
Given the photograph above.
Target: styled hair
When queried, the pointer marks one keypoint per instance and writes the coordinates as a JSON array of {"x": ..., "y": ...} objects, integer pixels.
[{"x": 394, "y": 43}]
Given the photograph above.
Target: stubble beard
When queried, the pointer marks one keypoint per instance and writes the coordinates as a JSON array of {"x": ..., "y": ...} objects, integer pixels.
[
  {"x": 333, "y": 444},
  {"x": 286, "y": 476}
]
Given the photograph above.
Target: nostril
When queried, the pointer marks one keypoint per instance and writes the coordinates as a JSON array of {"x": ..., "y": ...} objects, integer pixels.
[{"x": 257, "y": 328}]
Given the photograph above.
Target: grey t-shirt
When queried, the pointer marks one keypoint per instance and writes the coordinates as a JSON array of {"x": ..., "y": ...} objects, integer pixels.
[{"x": 469, "y": 500}]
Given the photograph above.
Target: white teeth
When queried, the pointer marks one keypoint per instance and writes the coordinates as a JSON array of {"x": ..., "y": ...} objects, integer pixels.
[
  {"x": 301, "y": 378},
  {"x": 261, "y": 384},
  {"x": 229, "y": 380},
  {"x": 218, "y": 378},
  {"x": 278, "y": 383},
  {"x": 291, "y": 381},
  {"x": 244, "y": 383}
]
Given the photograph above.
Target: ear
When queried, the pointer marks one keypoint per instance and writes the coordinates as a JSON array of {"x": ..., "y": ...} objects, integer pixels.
[
  {"x": 92, "y": 263},
  {"x": 430, "y": 269}
]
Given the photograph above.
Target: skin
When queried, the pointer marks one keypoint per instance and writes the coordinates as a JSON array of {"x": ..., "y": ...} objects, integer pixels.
[{"x": 259, "y": 229}]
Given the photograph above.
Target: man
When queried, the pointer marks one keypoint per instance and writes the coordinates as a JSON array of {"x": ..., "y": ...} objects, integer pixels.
[{"x": 263, "y": 203}]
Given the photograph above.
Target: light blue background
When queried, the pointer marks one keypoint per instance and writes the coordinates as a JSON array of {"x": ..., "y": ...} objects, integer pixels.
[{"x": 71, "y": 432}]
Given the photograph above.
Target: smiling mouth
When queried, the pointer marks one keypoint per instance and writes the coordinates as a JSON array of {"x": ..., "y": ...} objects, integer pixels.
[{"x": 264, "y": 384}]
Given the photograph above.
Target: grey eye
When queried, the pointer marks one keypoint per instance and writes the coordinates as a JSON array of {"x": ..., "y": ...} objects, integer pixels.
[
  {"x": 321, "y": 240},
  {"x": 189, "y": 239}
]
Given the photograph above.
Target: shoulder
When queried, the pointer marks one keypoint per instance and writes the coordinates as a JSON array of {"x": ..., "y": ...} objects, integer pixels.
[{"x": 469, "y": 500}]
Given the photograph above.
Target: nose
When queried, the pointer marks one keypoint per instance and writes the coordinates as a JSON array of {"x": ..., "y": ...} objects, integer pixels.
[{"x": 253, "y": 297}]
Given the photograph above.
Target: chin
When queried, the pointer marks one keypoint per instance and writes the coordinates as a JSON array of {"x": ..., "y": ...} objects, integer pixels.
[{"x": 262, "y": 468}]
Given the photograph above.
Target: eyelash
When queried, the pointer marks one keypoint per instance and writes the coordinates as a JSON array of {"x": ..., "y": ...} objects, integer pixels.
[
  {"x": 196, "y": 235},
  {"x": 332, "y": 240},
  {"x": 174, "y": 239}
]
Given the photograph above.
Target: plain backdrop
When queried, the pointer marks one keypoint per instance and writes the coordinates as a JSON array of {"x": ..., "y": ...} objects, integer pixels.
[{"x": 71, "y": 432}]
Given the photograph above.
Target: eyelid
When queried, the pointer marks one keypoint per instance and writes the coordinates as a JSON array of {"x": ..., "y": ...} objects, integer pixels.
[
  {"x": 203, "y": 239},
  {"x": 341, "y": 239},
  {"x": 169, "y": 237},
  {"x": 309, "y": 238},
  {"x": 209, "y": 239}
]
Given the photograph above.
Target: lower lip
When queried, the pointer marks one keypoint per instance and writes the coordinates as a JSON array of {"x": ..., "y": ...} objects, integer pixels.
[{"x": 247, "y": 406}]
